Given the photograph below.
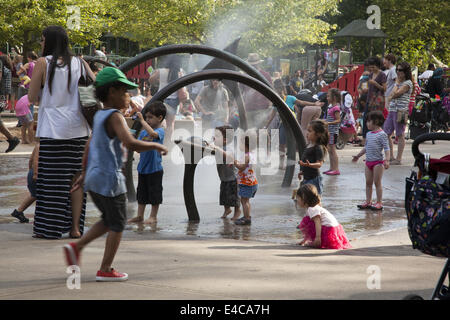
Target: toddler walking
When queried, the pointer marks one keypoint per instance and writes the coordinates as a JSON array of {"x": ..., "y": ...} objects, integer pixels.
[
  {"x": 319, "y": 227},
  {"x": 313, "y": 156},
  {"x": 31, "y": 184},
  {"x": 376, "y": 142}
]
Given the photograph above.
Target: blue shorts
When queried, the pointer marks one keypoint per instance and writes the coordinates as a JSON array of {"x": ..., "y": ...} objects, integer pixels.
[
  {"x": 317, "y": 182},
  {"x": 31, "y": 184},
  {"x": 247, "y": 191}
]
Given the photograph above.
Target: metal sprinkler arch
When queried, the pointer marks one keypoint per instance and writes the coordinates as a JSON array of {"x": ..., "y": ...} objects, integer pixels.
[
  {"x": 293, "y": 127},
  {"x": 213, "y": 52}
]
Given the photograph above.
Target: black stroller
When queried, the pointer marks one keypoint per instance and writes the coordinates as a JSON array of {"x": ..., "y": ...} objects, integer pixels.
[
  {"x": 420, "y": 119},
  {"x": 427, "y": 204}
]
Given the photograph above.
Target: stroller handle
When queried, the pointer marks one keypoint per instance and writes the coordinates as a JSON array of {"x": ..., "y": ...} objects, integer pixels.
[{"x": 427, "y": 137}]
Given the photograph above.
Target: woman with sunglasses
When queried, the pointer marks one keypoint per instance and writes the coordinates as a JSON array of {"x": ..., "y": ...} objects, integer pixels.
[{"x": 398, "y": 110}]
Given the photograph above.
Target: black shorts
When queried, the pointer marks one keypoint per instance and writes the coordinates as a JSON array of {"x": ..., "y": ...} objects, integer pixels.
[
  {"x": 113, "y": 209},
  {"x": 229, "y": 194},
  {"x": 150, "y": 189}
]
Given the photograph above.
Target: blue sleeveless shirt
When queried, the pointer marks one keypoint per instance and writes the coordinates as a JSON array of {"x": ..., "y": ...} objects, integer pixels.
[{"x": 104, "y": 168}]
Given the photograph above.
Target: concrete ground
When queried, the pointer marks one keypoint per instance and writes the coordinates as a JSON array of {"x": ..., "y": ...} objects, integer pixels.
[{"x": 174, "y": 266}]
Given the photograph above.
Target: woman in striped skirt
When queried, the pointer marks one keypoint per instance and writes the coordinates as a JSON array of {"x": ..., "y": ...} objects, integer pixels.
[{"x": 63, "y": 133}]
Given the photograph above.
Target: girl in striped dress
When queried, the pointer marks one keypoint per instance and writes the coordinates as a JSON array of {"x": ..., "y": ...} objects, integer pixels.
[
  {"x": 334, "y": 122},
  {"x": 63, "y": 132}
]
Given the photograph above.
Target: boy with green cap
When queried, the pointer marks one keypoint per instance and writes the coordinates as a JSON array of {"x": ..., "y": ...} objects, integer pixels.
[{"x": 102, "y": 175}]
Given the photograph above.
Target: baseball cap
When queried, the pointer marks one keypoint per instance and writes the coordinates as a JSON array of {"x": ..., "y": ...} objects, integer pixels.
[{"x": 109, "y": 75}]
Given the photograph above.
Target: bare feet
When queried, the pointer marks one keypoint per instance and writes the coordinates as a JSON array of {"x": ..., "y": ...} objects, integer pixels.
[
  {"x": 136, "y": 220},
  {"x": 236, "y": 215},
  {"x": 150, "y": 220},
  {"x": 226, "y": 213}
]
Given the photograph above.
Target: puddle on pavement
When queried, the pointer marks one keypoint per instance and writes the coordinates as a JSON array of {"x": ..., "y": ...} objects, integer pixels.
[{"x": 274, "y": 214}]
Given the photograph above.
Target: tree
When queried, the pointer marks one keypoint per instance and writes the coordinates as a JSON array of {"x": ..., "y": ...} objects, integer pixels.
[{"x": 22, "y": 21}]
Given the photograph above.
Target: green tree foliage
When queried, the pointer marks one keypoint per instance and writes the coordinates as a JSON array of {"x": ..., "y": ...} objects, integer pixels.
[
  {"x": 416, "y": 29},
  {"x": 22, "y": 21}
]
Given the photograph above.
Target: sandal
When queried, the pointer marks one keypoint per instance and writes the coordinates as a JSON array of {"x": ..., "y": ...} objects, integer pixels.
[
  {"x": 395, "y": 162},
  {"x": 365, "y": 205},
  {"x": 378, "y": 206}
]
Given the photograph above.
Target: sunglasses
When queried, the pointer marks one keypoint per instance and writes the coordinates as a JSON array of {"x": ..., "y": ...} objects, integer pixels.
[{"x": 400, "y": 70}]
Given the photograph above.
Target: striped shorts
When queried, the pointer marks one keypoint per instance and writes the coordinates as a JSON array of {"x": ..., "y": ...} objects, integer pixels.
[{"x": 59, "y": 162}]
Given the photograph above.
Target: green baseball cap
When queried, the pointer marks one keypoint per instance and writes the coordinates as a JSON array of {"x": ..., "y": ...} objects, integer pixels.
[{"x": 109, "y": 75}]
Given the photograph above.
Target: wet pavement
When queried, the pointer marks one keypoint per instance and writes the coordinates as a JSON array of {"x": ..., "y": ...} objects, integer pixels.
[{"x": 274, "y": 214}]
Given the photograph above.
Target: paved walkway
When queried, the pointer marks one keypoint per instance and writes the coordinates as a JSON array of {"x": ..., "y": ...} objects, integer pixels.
[{"x": 191, "y": 268}]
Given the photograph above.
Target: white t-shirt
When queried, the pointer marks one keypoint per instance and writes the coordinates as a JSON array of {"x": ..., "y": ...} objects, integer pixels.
[
  {"x": 326, "y": 218},
  {"x": 426, "y": 75},
  {"x": 391, "y": 75}
]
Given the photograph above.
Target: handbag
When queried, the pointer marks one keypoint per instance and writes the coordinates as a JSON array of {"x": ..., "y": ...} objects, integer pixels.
[
  {"x": 402, "y": 116},
  {"x": 86, "y": 91}
]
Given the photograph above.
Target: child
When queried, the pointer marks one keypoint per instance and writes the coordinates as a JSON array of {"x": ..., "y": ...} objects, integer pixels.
[
  {"x": 333, "y": 120},
  {"x": 248, "y": 184},
  {"x": 319, "y": 227},
  {"x": 102, "y": 176},
  {"x": 228, "y": 183},
  {"x": 313, "y": 156},
  {"x": 150, "y": 189},
  {"x": 25, "y": 117},
  {"x": 186, "y": 106},
  {"x": 376, "y": 142},
  {"x": 31, "y": 184}
]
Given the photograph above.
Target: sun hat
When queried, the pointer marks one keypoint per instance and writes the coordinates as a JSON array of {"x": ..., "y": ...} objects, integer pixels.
[
  {"x": 253, "y": 58},
  {"x": 109, "y": 75}
]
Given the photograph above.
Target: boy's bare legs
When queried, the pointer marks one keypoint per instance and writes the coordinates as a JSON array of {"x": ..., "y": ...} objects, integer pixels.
[
  {"x": 96, "y": 231},
  {"x": 369, "y": 183},
  {"x": 377, "y": 175},
  {"x": 31, "y": 132},
  {"x": 152, "y": 219},
  {"x": 77, "y": 207},
  {"x": 28, "y": 201},
  {"x": 237, "y": 213},
  {"x": 246, "y": 207},
  {"x": 226, "y": 212},
  {"x": 111, "y": 246},
  {"x": 140, "y": 215}
]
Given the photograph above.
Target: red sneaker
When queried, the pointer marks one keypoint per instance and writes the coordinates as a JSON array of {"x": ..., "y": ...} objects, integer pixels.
[
  {"x": 113, "y": 275},
  {"x": 72, "y": 254}
]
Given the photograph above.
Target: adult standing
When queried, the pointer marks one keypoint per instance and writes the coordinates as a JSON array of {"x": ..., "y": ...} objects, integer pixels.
[
  {"x": 389, "y": 63},
  {"x": 5, "y": 90},
  {"x": 375, "y": 93},
  {"x": 398, "y": 110},
  {"x": 27, "y": 70},
  {"x": 257, "y": 106},
  {"x": 427, "y": 74},
  {"x": 63, "y": 132},
  {"x": 170, "y": 71},
  {"x": 296, "y": 83},
  {"x": 434, "y": 85},
  {"x": 212, "y": 102}
]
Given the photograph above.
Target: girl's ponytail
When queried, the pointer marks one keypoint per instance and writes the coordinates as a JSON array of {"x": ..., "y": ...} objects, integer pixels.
[{"x": 320, "y": 128}]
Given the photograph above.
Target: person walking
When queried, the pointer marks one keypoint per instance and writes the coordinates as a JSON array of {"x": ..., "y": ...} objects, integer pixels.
[
  {"x": 5, "y": 90},
  {"x": 63, "y": 132}
]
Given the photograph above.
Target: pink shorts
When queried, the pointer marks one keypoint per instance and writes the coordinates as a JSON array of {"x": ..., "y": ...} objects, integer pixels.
[{"x": 372, "y": 164}]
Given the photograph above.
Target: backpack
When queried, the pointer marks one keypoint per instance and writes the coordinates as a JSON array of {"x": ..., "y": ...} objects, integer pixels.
[{"x": 427, "y": 206}]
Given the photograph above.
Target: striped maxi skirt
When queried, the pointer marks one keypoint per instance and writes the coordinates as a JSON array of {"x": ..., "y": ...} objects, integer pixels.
[{"x": 59, "y": 161}]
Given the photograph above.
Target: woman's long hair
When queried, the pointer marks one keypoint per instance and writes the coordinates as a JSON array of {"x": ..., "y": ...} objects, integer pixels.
[
  {"x": 406, "y": 70},
  {"x": 57, "y": 45}
]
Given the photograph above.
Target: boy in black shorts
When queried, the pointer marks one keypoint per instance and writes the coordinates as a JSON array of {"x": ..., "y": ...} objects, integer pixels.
[{"x": 149, "y": 189}]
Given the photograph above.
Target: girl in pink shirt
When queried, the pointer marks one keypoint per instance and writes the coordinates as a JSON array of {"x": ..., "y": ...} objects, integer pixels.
[{"x": 23, "y": 113}]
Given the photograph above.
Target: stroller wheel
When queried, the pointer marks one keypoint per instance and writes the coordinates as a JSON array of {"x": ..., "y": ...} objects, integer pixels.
[{"x": 412, "y": 297}]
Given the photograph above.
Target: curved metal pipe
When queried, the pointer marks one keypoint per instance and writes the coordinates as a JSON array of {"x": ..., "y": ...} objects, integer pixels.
[{"x": 288, "y": 119}]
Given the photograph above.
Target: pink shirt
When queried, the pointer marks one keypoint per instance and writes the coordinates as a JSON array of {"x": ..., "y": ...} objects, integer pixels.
[{"x": 23, "y": 106}]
